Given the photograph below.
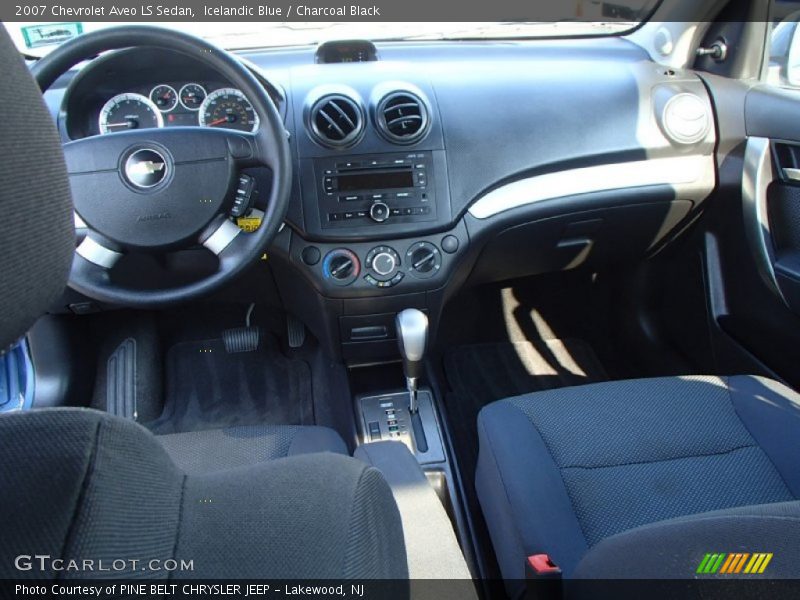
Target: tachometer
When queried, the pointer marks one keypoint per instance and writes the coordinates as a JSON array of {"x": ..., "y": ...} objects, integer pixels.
[
  {"x": 229, "y": 108},
  {"x": 129, "y": 111},
  {"x": 164, "y": 97}
]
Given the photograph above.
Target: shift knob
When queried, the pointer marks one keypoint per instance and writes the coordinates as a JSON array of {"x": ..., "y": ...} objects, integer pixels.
[{"x": 412, "y": 337}]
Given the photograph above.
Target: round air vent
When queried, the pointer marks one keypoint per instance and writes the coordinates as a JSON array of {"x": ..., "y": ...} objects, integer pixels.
[
  {"x": 686, "y": 119},
  {"x": 336, "y": 120},
  {"x": 402, "y": 117}
]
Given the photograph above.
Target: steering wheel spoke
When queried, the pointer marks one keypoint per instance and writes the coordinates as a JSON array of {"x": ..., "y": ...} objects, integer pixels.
[
  {"x": 97, "y": 253},
  {"x": 221, "y": 237}
]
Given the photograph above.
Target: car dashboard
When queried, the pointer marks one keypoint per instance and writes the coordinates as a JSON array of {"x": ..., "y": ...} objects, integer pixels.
[{"x": 435, "y": 165}]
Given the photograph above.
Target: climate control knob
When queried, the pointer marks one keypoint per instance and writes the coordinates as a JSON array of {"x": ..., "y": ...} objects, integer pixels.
[
  {"x": 379, "y": 212},
  {"x": 424, "y": 259},
  {"x": 384, "y": 263},
  {"x": 341, "y": 266},
  {"x": 383, "y": 260}
]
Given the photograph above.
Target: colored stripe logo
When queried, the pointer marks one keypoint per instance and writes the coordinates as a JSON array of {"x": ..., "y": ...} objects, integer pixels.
[{"x": 738, "y": 563}]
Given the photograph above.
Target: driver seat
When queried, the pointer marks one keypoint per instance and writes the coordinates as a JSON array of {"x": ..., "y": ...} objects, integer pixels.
[{"x": 83, "y": 485}]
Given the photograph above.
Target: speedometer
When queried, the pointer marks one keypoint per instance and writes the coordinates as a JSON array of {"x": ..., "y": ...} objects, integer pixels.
[
  {"x": 129, "y": 111},
  {"x": 228, "y": 108}
]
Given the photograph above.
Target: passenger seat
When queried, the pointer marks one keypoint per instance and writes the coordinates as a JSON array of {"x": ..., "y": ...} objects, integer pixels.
[{"x": 642, "y": 478}]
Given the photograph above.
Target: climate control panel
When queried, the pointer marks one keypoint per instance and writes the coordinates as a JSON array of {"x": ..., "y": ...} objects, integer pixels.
[{"x": 363, "y": 268}]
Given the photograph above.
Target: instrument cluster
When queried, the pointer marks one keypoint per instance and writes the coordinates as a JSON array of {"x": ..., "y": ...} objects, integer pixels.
[{"x": 183, "y": 104}]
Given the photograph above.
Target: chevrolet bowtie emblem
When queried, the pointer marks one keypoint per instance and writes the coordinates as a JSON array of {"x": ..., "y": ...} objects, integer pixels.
[{"x": 146, "y": 167}]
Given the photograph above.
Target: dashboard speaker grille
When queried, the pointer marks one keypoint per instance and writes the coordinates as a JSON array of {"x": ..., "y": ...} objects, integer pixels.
[
  {"x": 336, "y": 120},
  {"x": 402, "y": 117}
]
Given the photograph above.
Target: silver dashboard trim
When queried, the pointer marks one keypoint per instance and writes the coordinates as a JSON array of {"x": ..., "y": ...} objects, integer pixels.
[{"x": 676, "y": 170}]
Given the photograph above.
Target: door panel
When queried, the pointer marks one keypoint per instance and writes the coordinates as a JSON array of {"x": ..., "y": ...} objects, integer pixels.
[
  {"x": 771, "y": 190},
  {"x": 752, "y": 249}
]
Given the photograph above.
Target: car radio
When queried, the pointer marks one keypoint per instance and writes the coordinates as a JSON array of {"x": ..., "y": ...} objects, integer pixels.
[{"x": 374, "y": 189}]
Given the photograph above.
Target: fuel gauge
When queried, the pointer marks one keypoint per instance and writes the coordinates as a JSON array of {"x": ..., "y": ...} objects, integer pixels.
[{"x": 164, "y": 97}]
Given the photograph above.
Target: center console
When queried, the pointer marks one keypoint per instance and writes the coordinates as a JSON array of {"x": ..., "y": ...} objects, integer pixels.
[
  {"x": 374, "y": 232},
  {"x": 377, "y": 238}
]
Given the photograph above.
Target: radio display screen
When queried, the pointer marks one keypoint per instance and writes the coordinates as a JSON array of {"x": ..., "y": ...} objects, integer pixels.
[{"x": 382, "y": 180}]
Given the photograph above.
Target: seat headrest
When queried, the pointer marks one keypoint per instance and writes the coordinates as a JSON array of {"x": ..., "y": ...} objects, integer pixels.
[{"x": 37, "y": 233}]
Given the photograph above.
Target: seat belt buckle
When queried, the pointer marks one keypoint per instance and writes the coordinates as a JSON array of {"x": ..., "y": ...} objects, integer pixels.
[{"x": 543, "y": 577}]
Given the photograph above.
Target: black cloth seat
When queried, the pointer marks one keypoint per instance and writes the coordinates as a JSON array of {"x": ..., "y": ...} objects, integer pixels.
[
  {"x": 82, "y": 484},
  {"x": 642, "y": 467}
]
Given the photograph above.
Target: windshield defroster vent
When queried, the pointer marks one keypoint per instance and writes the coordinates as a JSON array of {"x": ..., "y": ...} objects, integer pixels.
[
  {"x": 402, "y": 117},
  {"x": 336, "y": 120}
]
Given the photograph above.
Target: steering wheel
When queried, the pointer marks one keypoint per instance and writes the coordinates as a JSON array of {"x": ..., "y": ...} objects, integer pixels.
[{"x": 160, "y": 190}]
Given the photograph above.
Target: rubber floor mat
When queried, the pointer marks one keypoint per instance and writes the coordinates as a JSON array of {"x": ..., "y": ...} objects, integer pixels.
[{"x": 208, "y": 388}]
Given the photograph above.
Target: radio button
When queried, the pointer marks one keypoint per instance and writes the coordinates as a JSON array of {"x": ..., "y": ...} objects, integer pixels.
[
  {"x": 379, "y": 212},
  {"x": 352, "y": 198}
]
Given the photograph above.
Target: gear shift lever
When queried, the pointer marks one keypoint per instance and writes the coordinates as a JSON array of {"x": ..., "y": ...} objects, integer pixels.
[{"x": 412, "y": 336}]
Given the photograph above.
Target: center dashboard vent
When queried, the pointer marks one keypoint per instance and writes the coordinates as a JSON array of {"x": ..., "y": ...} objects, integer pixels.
[
  {"x": 402, "y": 117},
  {"x": 336, "y": 120}
]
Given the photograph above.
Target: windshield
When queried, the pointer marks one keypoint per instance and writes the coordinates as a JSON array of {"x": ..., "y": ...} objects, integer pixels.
[{"x": 582, "y": 17}]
